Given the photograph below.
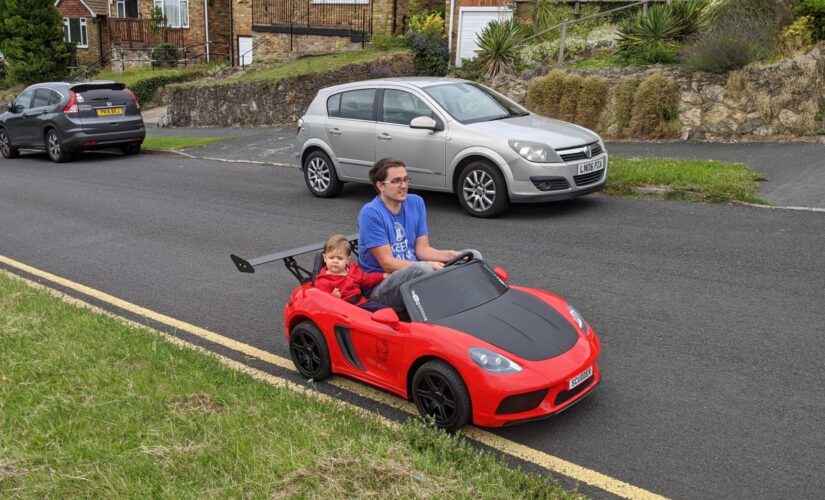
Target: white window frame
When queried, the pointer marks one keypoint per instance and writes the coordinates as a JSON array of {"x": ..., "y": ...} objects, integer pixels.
[
  {"x": 120, "y": 8},
  {"x": 183, "y": 11},
  {"x": 84, "y": 32}
]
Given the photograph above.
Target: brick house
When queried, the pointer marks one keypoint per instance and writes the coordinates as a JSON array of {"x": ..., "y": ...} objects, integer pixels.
[{"x": 84, "y": 24}]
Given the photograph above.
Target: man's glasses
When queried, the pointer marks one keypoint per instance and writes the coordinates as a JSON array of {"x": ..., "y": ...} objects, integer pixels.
[{"x": 398, "y": 181}]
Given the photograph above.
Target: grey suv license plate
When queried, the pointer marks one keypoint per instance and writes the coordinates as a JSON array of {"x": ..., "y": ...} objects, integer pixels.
[{"x": 590, "y": 166}]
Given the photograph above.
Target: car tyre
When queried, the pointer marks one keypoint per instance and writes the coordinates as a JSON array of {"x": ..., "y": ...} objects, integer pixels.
[
  {"x": 6, "y": 149},
  {"x": 320, "y": 176},
  {"x": 54, "y": 146},
  {"x": 309, "y": 351},
  {"x": 131, "y": 148},
  {"x": 440, "y": 395},
  {"x": 482, "y": 190}
]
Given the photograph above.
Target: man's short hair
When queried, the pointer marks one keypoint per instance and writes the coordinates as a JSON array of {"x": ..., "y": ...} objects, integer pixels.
[
  {"x": 378, "y": 172},
  {"x": 337, "y": 242}
]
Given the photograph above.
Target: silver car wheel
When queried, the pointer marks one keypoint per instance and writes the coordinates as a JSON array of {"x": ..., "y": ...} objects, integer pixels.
[
  {"x": 479, "y": 190},
  {"x": 5, "y": 148},
  {"x": 318, "y": 174},
  {"x": 54, "y": 145}
]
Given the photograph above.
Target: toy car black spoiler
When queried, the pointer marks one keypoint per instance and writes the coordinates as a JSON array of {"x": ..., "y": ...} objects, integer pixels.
[{"x": 288, "y": 256}]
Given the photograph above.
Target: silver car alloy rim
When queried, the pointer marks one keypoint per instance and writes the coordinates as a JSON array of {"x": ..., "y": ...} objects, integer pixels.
[
  {"x": 54, "y": 145},
  {"x": 318, "y": 174},
  {"x": 4, "y": 144},
  {"x": 479, "y": 190}
]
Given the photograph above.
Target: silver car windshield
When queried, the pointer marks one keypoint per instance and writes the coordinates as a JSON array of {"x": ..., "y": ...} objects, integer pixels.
[{"x": 473, "y": 103}]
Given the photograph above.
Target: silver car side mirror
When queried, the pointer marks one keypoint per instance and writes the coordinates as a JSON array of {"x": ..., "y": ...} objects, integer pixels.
[{"x": 426, "y": 123}]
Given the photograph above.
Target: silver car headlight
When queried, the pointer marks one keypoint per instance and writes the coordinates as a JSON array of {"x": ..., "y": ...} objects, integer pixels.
[
  {"x": 534, "y": 151},
  {"x": 493, "y": 362},
  {"x": 577, "y": 316}
]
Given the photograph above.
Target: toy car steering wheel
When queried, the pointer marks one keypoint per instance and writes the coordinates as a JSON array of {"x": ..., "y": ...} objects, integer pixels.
[{"x": 462, "y": 258}]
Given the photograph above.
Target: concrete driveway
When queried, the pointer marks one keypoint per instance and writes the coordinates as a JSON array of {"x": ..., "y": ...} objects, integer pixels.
[{"x": 795, "y": 171}]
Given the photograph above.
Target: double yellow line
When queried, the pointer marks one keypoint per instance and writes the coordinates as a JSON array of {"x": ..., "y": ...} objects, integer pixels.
[{"x": 549, "y": 462}]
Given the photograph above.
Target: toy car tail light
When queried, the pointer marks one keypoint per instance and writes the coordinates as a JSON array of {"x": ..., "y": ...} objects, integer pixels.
[
  {"x": 134, "y": 98},
  {"x": 71, "y": 107}
]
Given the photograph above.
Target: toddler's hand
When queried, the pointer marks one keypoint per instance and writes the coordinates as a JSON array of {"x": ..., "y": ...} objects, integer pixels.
[
  {"x": 386, "y": 275},
  {"x": 336, "y": 292}
]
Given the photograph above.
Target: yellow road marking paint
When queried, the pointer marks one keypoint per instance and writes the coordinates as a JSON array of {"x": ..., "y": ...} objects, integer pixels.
[{"x": 549, "y": 462}]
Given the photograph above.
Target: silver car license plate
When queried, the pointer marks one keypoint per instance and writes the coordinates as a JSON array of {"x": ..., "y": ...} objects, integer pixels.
[
  {"x": 590, "y": 166},
  {"x": 581, "y": 377}
]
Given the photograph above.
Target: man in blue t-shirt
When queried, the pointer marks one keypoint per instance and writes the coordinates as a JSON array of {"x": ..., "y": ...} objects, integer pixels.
[{"x": 392, "y": 234}]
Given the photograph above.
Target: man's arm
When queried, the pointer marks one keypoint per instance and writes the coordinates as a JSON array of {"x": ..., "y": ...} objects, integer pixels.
[
  {"x": 383, "y": 254},
  {"x": 423, "y": 251}
]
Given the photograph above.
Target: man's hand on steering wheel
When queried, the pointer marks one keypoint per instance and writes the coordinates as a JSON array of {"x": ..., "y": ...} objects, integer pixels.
[{"x": 460, "y": 258}]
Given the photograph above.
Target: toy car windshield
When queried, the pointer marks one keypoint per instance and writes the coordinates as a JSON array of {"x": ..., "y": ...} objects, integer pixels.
[{"x": 452, "y": 291}]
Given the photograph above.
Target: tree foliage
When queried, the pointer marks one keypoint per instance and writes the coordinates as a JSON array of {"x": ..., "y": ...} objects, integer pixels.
[{"x": 31, "y": 39}]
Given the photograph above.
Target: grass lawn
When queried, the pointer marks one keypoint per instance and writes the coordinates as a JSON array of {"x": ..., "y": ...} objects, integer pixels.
[
  {"x": 179, "y": 142},
  {"x": 93, "y": 407},
  {"x": 689, "y": 180},
  {"x": 133, "y": 75},
  {"x": 312, "y": 64}
]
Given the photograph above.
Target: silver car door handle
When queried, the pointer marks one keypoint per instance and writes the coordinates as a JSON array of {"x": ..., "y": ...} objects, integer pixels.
[
  {"x": 385, "y": 136},
  {"x": 335, "y": 131}
]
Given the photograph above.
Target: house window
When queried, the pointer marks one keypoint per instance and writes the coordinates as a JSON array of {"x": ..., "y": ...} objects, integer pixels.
[
  {"x": 121, "y": 8},
  {"x": 74, "y": 31},
  {"x": 175, "y": 11},
  {"x": 340, "y": 1}
]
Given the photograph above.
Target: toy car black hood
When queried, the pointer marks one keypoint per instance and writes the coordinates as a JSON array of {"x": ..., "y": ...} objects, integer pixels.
[{"x": 519, "y": 323}]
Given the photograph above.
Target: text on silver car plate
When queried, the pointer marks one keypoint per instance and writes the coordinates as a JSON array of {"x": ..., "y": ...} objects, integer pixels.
[{"x": 590, "y": 166}]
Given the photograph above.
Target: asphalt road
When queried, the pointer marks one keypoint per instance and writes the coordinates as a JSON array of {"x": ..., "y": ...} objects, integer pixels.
[{"x": 710, "y": 316}]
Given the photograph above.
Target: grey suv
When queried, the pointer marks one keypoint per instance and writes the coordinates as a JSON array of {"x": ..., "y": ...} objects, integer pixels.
[
  {"x": 64, "y": 117},
  {"x": 454, "y": 135}
]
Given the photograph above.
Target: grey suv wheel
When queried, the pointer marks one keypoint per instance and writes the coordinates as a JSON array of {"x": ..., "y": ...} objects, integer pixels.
[
  {"x": 482, "y": 190},
  {"x": 6, "y": 148},
  {"x": 54, "y": 146},
  {"x": 320, "y": 176}
]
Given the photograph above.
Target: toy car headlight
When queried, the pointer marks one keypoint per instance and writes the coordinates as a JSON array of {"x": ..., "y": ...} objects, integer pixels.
[
  {"x": 535, "y": 152},
  {"x": 493, "y": 362},
  {"x": 579, "y": 318}
]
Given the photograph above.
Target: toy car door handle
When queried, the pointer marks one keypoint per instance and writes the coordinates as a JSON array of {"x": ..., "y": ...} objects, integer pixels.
[
  {"x": 384, "y": 136},
  {"x": 335, "y": 131}
]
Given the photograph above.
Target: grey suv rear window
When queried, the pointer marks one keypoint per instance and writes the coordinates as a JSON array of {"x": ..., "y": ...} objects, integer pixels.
[{"x": 355, "y": 104}]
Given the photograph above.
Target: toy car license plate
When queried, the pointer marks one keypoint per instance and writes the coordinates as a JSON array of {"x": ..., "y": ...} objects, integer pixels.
[
  {"x": 590, "y": 166},
  {"x": 109, "y": 111},
  {"x": 581, "y": 377}
]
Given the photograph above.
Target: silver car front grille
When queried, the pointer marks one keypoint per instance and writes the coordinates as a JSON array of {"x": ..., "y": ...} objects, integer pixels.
[{"x": 580, "y": 152}]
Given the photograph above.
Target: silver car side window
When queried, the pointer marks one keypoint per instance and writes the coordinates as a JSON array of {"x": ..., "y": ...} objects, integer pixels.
[
  {"x": 355, "y": 105},
  {"x": 401, "y": 107},
  {"x": 24, "y": 100}
]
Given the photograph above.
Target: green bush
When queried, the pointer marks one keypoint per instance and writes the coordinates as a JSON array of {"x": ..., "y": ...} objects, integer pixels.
[
  {"x": 145, "y": 88},
  {"x": 386, "y": 42},
  {"x": 165, "y": 55},
  {"x": 655, "y": 108},
  {"x": 548, "y": 13},
  {"x": 429, "y": 45},
  {"x": 654, "y": 36},
  {"x": 797, "y": 36},
  {"x": 569, "y": 102},
  {"x": 569, "y": 97},
  {"x": 624, "y": 103},
  {"x": 592, "y": 100},
  {"x": 499, "y": 46},
  {"x": 731, "y": 43},
  {"x": 544, "y": 93},
  {"x": 815, "y": 9}
]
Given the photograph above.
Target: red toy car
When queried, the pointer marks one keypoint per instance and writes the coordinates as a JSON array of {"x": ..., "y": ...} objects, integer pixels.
[{"x": 473, "y": 350}]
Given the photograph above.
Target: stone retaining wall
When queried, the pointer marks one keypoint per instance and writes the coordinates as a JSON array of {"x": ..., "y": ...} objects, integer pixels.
[
  {"x": 266, "y": 103},
  {"x": 778, "y": 101}
]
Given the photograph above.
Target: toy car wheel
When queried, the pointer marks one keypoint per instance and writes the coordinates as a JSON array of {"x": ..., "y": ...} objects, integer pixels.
[
  {"x": 6, "y": 149},
  {"x": 54, "y": 146},
  {"x": 440, "y": 394},
  {"x": 309, "y": 351},
  {"x": 320, "y": 176},
  {"x": 482, "y": 190}
]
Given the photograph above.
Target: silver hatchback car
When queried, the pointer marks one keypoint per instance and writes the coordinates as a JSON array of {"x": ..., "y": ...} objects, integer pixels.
[{"x": 454, "y": 135}]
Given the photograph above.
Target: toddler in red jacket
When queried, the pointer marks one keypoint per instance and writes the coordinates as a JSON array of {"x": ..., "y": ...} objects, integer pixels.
[{"x": 343, "y": 278}]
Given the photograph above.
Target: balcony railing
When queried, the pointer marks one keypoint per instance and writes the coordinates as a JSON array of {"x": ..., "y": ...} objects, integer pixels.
[
  {"x": 138, "y": 33},
  {"x": 355, "y": 16}
]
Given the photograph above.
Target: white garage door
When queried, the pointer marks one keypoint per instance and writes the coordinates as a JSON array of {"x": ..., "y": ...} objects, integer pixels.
[{"x": 471, "y": 20}]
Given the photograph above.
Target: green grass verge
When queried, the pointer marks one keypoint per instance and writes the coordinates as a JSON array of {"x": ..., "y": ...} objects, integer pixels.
[
  {"x": 133, "y": 75},
  {"x": 309, "y": 65},
  {"x": 690, "y": 180},
  {"x": 179, "y": 142},
  {"x": 92, "y": 407}
]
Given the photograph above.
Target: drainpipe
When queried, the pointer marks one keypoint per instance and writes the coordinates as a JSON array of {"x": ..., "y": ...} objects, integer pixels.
[
  {"x": 206, "y": 26},
  {"x": 450, "y": 34},
  {"x": 231, "y": 33},
  {"x": 100, "y": 39}
]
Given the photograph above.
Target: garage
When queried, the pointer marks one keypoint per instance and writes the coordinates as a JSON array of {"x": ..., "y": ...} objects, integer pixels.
[{"x": 471, "y": 20}]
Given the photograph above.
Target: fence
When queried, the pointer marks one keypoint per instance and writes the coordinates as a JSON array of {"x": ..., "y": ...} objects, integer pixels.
[
  {"x": 190, "y": 55},
  {"x": 356, "y": 16},
  {"x": 140, "y": 33}
]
